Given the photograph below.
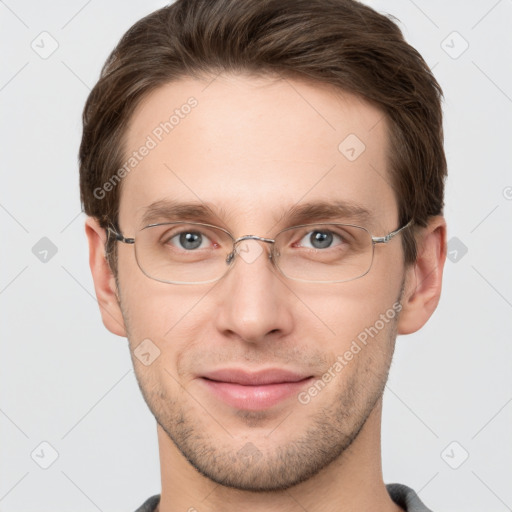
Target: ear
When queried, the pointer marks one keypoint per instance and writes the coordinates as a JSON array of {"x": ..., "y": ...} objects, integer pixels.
[
  {"x": 104, "y": 281},
  {"x": 424, "y": 277}
]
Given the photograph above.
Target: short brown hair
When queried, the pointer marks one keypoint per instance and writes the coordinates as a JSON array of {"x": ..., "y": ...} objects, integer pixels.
[{"x": 340, "y": 42}]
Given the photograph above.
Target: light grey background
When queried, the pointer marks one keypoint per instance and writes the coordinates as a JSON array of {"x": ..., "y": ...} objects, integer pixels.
[{"x": 66, "y": 381}]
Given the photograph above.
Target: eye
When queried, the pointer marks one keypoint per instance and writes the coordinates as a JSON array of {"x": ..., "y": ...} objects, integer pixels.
[
  {"x": 188, "y": 240},
  {"x": 320, "y": 239}
]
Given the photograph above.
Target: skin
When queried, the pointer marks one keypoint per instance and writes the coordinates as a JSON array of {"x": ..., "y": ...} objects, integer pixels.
[{"x": 257, "y": 146}]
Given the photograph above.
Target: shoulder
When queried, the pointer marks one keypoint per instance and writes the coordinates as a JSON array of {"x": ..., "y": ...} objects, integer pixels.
[
  {"x": 150, "y": 504},
  {"x": 406, "y": 498}
]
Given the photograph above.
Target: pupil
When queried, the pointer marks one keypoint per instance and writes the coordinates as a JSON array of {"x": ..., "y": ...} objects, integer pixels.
[
  {"x": 321, "y": 240},
  {"x": 190, "y": 240}
]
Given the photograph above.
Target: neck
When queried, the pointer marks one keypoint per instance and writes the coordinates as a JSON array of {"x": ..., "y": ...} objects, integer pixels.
[{"x": 353, "y": 482}]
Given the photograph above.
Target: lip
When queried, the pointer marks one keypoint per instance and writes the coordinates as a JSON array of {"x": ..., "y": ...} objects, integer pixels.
[
  {"x": 254, "y": 390},
  {"x": 262, "y": 377}
]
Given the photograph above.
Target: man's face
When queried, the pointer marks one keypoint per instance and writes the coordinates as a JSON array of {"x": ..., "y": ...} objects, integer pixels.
[{"x": 252, "y": 149}]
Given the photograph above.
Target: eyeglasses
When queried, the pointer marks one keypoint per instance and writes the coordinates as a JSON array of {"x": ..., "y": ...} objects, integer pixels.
[{"x": 197, "y": 253}]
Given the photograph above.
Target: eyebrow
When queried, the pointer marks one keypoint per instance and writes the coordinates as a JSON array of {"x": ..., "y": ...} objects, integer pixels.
[
  {"x": 168, "y": 210},
  {"x": 337, "y": 210},
  {"x": 171, "y": 210}
]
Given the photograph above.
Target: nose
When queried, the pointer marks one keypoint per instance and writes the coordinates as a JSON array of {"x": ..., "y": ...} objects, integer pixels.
[
  {"x": 254, "y": 302},
  {"x": 244, "y": 248}
]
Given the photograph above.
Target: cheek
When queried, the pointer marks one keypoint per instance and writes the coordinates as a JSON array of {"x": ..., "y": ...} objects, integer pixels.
[
  {"x": 153, "y": 309},
  {"x": 166, "y": 322},
  {"x": 343, "y": 311}
]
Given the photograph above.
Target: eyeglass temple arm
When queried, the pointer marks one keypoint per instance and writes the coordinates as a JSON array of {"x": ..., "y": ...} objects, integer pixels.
[
  {"x": 119, "y": 236},
  {"x": 385, "y": 239}
]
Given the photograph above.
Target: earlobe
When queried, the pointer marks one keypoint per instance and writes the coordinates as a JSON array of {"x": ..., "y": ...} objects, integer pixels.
[
  {"x": 424, "y": 278},
  {"x": 104, "y": 281}
]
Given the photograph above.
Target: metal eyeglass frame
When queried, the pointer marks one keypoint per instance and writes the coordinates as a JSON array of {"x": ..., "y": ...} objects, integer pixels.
[{"x": 375, "y": 240}]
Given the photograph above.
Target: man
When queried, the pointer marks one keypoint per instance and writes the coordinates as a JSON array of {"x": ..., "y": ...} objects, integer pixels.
[{"x": 264, "y": 188}]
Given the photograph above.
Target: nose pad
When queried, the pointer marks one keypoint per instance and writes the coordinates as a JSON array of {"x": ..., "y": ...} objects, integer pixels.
[{"x": 249, "y": 250}]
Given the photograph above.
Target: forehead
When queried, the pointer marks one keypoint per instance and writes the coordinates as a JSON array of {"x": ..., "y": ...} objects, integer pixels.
[{"x": 253, "y": 148}]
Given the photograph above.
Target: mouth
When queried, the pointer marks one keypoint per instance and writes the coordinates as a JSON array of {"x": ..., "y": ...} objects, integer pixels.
[{"x": 254, "y": 391}]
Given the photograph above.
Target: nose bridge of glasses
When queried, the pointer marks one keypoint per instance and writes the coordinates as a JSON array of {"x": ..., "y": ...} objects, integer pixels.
[
  {"x": 248, "y": 252},
  {"x": 253, "y": 237}
]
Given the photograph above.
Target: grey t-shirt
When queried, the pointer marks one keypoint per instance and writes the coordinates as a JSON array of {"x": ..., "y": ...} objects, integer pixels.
[{"x": 402, "y": 495}]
